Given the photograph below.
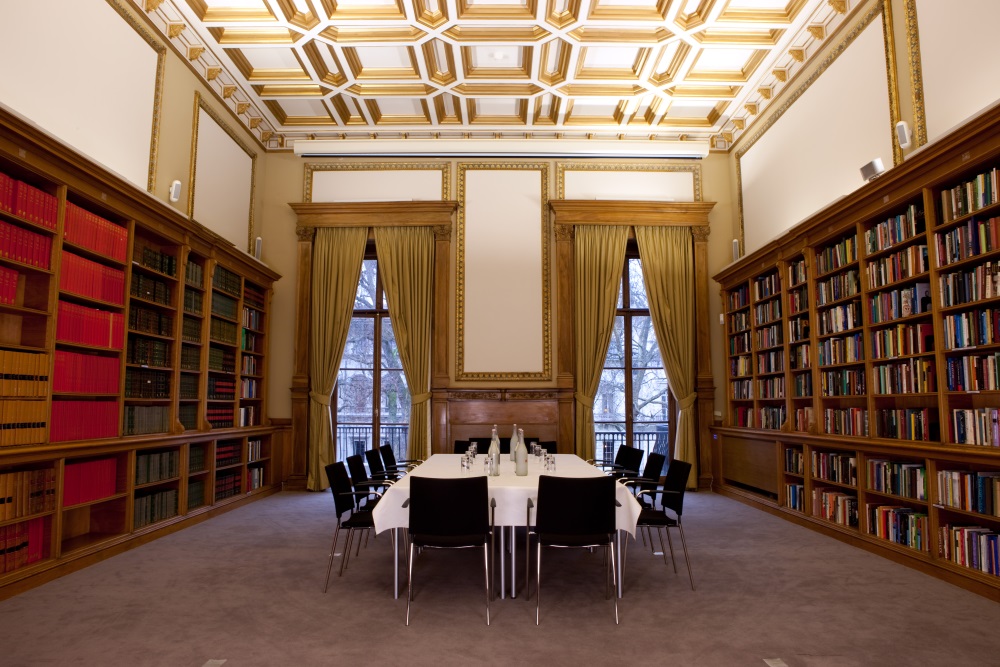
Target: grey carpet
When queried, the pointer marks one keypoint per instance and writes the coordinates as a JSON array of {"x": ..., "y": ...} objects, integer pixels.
[{"x": 245, "y": 588}]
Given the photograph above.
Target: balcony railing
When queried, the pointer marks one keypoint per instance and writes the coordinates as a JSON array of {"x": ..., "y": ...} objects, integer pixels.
[
  {"x": 356, "y": 439},
  {"x": 608, "y": 441}
]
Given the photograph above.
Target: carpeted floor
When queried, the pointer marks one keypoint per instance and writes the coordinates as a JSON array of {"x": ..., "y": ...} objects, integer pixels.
[{"x": 245, "y": 588}]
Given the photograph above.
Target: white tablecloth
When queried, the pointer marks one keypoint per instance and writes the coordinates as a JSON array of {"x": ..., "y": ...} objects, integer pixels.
[{"x": 510, "y": 491}]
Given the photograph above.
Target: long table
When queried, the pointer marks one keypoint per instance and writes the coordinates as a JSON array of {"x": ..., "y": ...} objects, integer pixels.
[{"x": 511, "y": 493}]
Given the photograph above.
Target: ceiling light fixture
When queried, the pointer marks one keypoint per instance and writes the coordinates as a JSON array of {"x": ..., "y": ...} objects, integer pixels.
[{"x": 538, "y": 148}]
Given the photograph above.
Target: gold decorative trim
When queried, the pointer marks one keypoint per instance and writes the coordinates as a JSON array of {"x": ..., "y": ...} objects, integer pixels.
[
  {"x": 563, "y": 167},
  {"x": 199, "y": 104},
  {"x": 916, "y": 72},
  {"x": 889, "y": 40},
  {"x": 546, "y": 372},
  {"x": 306, "y": 234},
  {"x": 747, "y": 143},
  {"x": 161, "y": 63},
  {"x": 311, "y": 168}
]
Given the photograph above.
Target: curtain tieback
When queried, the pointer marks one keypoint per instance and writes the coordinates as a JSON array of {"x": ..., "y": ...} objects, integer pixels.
[
  {"x": 319, "y": 398},
  {"x": 584, "y": 400},
  {"x": 420, "y": 398},
  {"x": 687, "y": 402}
]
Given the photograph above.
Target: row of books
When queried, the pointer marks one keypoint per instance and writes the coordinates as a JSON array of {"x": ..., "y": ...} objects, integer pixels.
[
  {"x": 254, "y": 342},
  {"x": 797, "y": 273},
  {"x": 843, "y": 382},
  {"x": 254, "y": 297},
  {"x": 838, "y": 287},
  {"x": 152, "y": 507},
  {"x": 907, "y": 424},
  {"x": 157, "y": 260},
  {"x": 80, "y": 373},
  {"x": 228, "y": 452},
  {"x": 910, "y": 376},
  {"x": 739, "y": 297},
  {"x": 193, "y": 302},
  {"x": 974, "y": 372},
  {"x": 156, "y": 466},
  {"x": 27, "y": 492},
  {"x": 770, "y": 362},
  {"x": 743, "y": 417},
  {"x": 766, "y": 337},
  {"x": 902, "y": 339},
  {"x": 28, "y": 202},
  {"x": 795, "y": 496},
  {"x": 227, "y": 281},
  {"x": 845, "y": 421},
  {"x": 256, "y": 477},
  {"x": 146, "y": 383},
  {"x": 835, "y": 505},
  {"x": 740, "y": 343},
  {"x": 8, "y": 286},
  {"x": 799, "y": 357},
  {"x": 89, "y": 326},
  {"x": 83, "y": 420},
  {"x": 977, "y": 491},
  {"x": 979, "y": 282},
  {"x": 973, "y": 238},
  {"x": 899, "y": 478},
  {"x": 902, "y": 525},
  {"x": 839, "y": 319},
  {"x": 147, "y": 351},
  {"x": 22, "y": 422},
  {"x": 895, "y": 230},
  {"x": 90, "y": 279},
  {"x": 191, "y": 330},
  {"x": 24, "y": 246},
  {"x": 222, "y": 331},
  {"x": 87, "y": 481},
  {"x": 89, "y": 230},
  {"x": 187, "y": 415},
  {"x": 772, "y": 416},
  {"x": 970, "y": 196},
  {"x": 798, "y": 300},
  {"x": 151, "y": 289},
  {"x": 766, "y": 286},
  {"x": 227, "y": 485},
  {"x": 835, "y": 466},
  {"x": 196, "y": 493},
  {"x": 221, "y": 360},
  {"x": 23, "y": 374},
  {"x": 142, "y": 419},
  {"x": 255, "y": 449},
  {"x": 253, "y": 319},
  {"x": 196, "y": 459},
  {"x": 250, "y": 365},
  {"x": 794, "y": 460},
  {"x": 219, "y": 417},
  {"x": 22, "y": 544},
  {"x": 804, "y": 419},
  {"x": 249, "y": 388},
  {"x": 837, "y": 255},
  {"x": 841, "y": 350},
  {"x": 190, "y": 358},
  {"x": 147, "y": 320},
  {"x": 224, "y": 306},
  {"x": 741, "y": 390},
  {"x": 194, "y": 275},
  {"x": 767, "y": 312},
  {"x": 802, "y": 385},
  {"x": 976, "y": 426},
  {"x": 249, "y": 415},
  {"x": 739, "y": 322},
  {"x": 974, "y": 547},
  {"x": 221, "y": 389},
  {"x": 975, "y": 327},
  {"x": 188, "y": 387},
  {"x": 894, "y": 304},
  {"x": 906, "y": 263}
]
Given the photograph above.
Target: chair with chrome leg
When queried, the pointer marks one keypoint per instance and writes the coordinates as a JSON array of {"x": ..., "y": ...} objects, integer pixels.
[
  {"x": 626, "y": 463},
  {"x": 670, "y": 496},
  {"x": 391, "y": 463},
  {"x": 450, "y": 513},
  {"x": 344, "y": 497},
  {"x": 378, "y": 470}
]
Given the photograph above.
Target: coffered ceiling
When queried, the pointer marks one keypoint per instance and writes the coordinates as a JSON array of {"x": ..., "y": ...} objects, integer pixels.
[{"x": 640, "y": 70}]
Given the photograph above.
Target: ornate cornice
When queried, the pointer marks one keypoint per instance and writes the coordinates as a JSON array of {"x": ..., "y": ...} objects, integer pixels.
[{"x": 306, "y": 234}]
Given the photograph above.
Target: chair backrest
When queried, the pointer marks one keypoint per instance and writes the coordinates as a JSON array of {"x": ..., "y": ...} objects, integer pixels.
[
  {"x": 654, "y": 466},
  {"x": 340, "y": 486},
  {"x": 374, "y": 462},
  {"x": 629, "y": 458},
  {"x": 356, "y": 466},
  {"x": 676, "y": 480},
  {"x": 482, "y": 444},
  {"x": 388, "y": 456},
  {"x": 549, "y": 446},
  {"x": 443, "y": 507},
  {"x": 572, "y": 506},
  {"x": 462, "y": 446}
]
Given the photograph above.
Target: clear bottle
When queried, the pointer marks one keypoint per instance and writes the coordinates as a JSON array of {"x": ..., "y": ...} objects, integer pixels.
[
  {"x": 521, "y": 455},
  {"x": 494, "y": 453},
  {"x": 513, "y": 442}
]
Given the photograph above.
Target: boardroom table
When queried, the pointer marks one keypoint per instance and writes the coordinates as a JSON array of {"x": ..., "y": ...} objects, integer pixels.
[{"x": 511, "y": 493}]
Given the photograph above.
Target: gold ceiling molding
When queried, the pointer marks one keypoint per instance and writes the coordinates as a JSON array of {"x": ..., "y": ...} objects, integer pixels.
[
  {"x": 480, "y": 34},
  {"x": 210, "y": 14},
  {"x": 766, "y": 38},
  {"x": 817, "y": 31},
  {"x": 194, "y": 52},
  {"x": 233, "y": 36},
  {"x": 354, "y": 35},
  {"x": 211, "y": 73},
  {"x": 175, "y": 29},
  {"x": 290, "y": 90},
  {"x": 615, "y": 11},
  {"x": 495, "y": 70},
  {"x": 594, "y": 34},
  {"x": 330, "y": 71},
  {"x": 561, "y": 13},
  {"x": 798, "y": 54},
  {"x": 380, "y": 118},
  {"x": 500, "y": 10},
  {"x": 364, "y": 11}
]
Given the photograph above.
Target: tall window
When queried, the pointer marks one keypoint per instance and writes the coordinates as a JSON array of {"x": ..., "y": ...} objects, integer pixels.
[
  {"x": 372, "y": 398},
  {"x": 633, "y": 403}
]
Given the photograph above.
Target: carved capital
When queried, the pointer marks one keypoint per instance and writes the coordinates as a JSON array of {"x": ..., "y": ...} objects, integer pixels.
[
  {"x": 700, "y": 233},
  {"x": 442, "y": 232},
  {"x": 306, "y": 234},
  {"x": 564, "y": 233}
]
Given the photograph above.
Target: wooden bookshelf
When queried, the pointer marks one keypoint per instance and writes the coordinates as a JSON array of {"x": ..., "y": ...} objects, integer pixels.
[
  {"x": 879, "y": 424},
  {"x": 120, "y": 417}
]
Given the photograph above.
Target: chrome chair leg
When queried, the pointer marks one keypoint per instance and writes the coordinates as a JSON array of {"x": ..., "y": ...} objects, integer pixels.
[
  {"x": 486, "y": 571},
  {"x": 670, "y": 542},
  {"x": 347, "y": 552},
  {"x": 614, "y": 578},
  {"x": 538, "y": 578},
  {"x": 687, "y": 559},
  {"x": 409, "y": 585},
  {"x": 333, "y": 551}
]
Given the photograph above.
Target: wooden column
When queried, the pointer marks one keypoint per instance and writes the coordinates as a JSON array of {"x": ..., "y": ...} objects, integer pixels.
[
  {"x": 566, "y": 343},
  {"x": 704, "y": 385},
  {"x": 300, "y": 372},
  {"x": 440, "y": 337}
]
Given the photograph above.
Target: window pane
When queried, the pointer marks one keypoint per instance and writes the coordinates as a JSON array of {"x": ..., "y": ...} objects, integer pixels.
[
  {"x": 649, "y": 391},
  {"x": 616, "y": 348},
  {"x": 636, "y": 288},
  {"x": 359, "y": 352},
  {"x": 645, "y": 350},
  {"x": 365, "y": 297},
  {"x": 609, "y": 404},
  {"x": 354, "y": 397},
  {"x": 395, "y": 400},
  {"x": 390, "y": 353},
  {"x": 608, "y": 437}
]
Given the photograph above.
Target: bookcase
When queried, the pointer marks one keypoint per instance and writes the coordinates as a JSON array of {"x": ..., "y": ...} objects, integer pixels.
[
  {"x": 133, "y": 352},
  {"x": 863, "y": 385}
]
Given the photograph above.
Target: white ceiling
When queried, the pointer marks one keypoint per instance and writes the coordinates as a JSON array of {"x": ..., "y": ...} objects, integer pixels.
[{"x": 671, "y": 70}]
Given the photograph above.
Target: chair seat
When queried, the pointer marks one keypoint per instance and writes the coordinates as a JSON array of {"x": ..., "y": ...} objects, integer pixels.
[
  {"x": 359, "y": 520},
  {"x": 575, "y": 540},
  {"x": 652, "y": 517},
  {"x": 448, "y": 541}
]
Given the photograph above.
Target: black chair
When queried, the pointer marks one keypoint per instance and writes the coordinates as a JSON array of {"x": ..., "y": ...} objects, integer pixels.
[
  {"x": 650, "y": 477},
  {"x": 462, "y": 446},
  {"x": 549, "y": 446},
  {"x": 377, "y": 469},
  {"x": 390, "y": 462},
  {"x": 575, "y": 512},
  {"x": 362, "y": 482},
  {"x": 450, "y": 514},
  {"x": 626, "y": 463},
  {"x": 344, "y": 498},
  {"x": 671, "y": 497},
  {"x": 482, "y": 444}
]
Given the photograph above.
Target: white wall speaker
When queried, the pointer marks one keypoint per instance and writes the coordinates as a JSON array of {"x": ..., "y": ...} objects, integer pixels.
[
  {"x": 175, "y": 191},
  {"x": 257, "y": 247},
  {"x": 872, "y": 170},
  {"x": 903, "y": 135}
]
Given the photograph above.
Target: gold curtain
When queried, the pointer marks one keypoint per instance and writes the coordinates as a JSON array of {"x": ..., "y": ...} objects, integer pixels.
[
  {"x": 406, "y": 264},
  {"x": 337, "y": 257},
  {"x": 599, "y": 255},
  {"x": 668, "y": 271}
]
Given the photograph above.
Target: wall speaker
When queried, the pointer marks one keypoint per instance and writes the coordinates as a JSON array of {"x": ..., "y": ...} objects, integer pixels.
[
  {"x": 175, "y": 191},
  {"x": 257, "y": 247},
  {"x": 903, "y": 135},
  {"x": 736, "y": 249},
  {"x": 872, "y": 170}
]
